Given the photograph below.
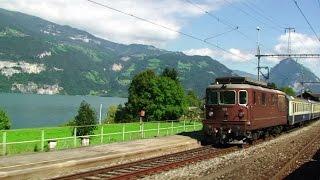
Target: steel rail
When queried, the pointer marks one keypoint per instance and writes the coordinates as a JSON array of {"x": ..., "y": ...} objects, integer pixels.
[{"x": 154, "y": 165}]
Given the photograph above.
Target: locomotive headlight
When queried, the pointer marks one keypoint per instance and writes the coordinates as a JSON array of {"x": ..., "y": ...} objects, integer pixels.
[
  {"x": 210, "y": 113},
  {"x": 241, "y": 113}
]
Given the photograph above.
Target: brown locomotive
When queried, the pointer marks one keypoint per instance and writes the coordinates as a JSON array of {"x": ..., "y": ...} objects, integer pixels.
[{"x": 239, "y": 110}]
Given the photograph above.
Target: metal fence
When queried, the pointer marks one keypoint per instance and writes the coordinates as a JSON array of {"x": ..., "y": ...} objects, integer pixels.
[{"x": 33, "y": 140}]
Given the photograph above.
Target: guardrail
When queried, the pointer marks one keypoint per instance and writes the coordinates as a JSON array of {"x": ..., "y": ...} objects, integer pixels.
[{"x": 30, "y": 140}]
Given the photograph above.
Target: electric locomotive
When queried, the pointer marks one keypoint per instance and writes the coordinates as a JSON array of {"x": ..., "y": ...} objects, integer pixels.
[{"x": 239, "y": 110}]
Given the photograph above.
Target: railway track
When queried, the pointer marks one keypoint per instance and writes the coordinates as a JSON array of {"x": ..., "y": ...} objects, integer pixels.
[
  {"x": 159, "y": 164},
  {"x": 291, "y": 163},
  {"x": 150, "y": 166}
]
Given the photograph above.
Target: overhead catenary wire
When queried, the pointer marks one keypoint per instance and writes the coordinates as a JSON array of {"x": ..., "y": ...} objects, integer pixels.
[
  {"x": 249, "y": 15},
  {"x": 167, "y": 28},
  {"x": 221, "y": 20},
  {"x": 230, "y": 25},
  {"x": 306, "y": 19},
  {"x": 263, "y": 13},
  {"x": 220, "y": 34}
]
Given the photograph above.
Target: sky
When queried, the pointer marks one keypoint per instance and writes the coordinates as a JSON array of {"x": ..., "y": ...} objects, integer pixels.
[{"x": 228, "y": 26}]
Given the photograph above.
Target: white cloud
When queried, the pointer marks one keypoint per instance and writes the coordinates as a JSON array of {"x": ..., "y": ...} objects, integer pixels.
[
  {"x": 112, "y": 25},
  {"x": 235, "y": 55},
  {"x": 300, "y": 44}
]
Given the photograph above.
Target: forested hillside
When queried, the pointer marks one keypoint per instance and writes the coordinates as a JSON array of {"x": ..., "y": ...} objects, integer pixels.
[{"x": 37, "y": 56}]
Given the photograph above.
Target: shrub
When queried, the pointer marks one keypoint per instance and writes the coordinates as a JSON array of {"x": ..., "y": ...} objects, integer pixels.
[
  {"x": 4, "y": 120},
  {"x": 86, "y": 117}
]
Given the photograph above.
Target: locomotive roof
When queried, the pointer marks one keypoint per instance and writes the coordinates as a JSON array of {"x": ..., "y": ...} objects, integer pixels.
[
  {"x": 243, "y": 86},
  {"x": 240, "y": 80}
]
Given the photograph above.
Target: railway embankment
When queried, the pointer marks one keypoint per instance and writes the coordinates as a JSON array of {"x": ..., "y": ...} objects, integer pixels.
[
  {"x": 70, "y": 161},
  {"x": 282, "y": 157}
]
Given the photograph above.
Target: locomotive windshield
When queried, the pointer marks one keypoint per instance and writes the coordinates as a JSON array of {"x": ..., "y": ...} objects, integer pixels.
[
  {"x": 212, "y": 97},
  {"x": 227, "y": 97},
  {"x": 220, "y": 97}
]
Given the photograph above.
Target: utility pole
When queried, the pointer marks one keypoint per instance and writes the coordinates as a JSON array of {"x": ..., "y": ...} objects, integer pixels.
[
  {"x": 289, "y": 30},
  {"x": 258, "y": 51}
]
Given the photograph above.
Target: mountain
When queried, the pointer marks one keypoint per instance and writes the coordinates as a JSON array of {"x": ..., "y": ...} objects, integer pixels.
[
  {"x": 244, "y": 74},
  {"x": 38, "y": 56},
  {"x": 290, "y": 73}
]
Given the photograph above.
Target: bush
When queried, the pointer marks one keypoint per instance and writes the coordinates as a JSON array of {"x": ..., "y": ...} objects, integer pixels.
[
  {"x": 4, "y": 120},
  {"x": 70, "y": 122},
  {"x": 111, "y": 114},
  {"x": 86, "y": 117}
]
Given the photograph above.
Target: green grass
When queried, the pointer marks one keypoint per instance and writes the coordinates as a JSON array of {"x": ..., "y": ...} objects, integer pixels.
[{"x": 112, "y": 133}]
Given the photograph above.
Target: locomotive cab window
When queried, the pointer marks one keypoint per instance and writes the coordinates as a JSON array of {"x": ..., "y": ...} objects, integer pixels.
[
  {"x": 243, "y": 97},
  {"x": 212, "y": 97},
  {"x": 227, "y": 97}
]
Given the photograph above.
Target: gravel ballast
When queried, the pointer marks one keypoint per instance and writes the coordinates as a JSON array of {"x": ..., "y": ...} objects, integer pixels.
[{"x": 260, "y": 161}]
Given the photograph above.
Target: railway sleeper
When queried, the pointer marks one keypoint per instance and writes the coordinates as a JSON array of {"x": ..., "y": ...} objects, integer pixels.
[
  {"x": 105, "y": 175},
  {"x": 92, "y": 178},
  {"x": 122, "y": 171}
]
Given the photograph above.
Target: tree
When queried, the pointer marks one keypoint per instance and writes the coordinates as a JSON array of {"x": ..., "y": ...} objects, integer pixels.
[
  {"x": 272, "y": 85},
  {"x": 123, "y": 114},
  {"x": 4, "y": 120},
  {"x": 171, "y": 73},
  {"x": 139, "y": 92},
  {"x": 195, "y": 106},
  {"x": 193, "y": 100},
  {"x": 289, "y": 91},
  {"x": 161, "y": 97},
  {"x": 86, "y": 117},
  {"x": 168, "y": 100}
]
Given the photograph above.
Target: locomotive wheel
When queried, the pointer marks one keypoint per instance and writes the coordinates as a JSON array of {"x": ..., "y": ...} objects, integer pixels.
[{"x": 266, "y": 134}]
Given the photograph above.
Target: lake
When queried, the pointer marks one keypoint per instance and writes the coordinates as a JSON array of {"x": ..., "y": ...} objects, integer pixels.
[{"x": 33, "y": 110}]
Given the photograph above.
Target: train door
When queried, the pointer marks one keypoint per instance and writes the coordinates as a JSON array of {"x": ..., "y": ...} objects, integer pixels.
[{"x": 244, "y": 111}]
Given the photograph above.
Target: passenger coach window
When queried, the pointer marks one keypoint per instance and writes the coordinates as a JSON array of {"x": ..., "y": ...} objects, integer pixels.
[
  {"x": 227, "y": 97},
  {"x": 212, "y": 97},
  {"x": 242, "y": 97}
]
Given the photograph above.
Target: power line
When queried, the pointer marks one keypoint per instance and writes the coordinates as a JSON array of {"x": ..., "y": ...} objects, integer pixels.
[
  {"x": 257, "y": 8},
  {"x": 295, "y": 2},
  {"x": 230, "y": 25},
  {"x": 262, "y": 15},
  {"x": 226, "y": 23},
  {"x": 212, "y": 15},
  {"x": 220, "y": 34},
  {"x": 248, "y": 14},
  {"x": 165, "y": 27}
]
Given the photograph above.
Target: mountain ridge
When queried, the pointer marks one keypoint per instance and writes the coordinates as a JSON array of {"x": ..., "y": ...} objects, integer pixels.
[
  {"x": 290, "y": 73},
  {"x": 38, "y": 56}
]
